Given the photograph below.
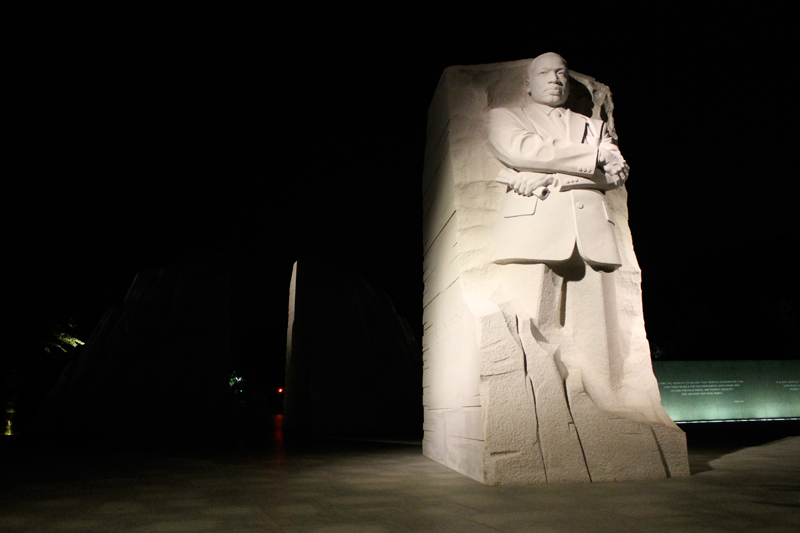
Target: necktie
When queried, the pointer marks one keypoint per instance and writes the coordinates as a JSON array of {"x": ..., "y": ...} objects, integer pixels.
[{"x": 557, "y": 119}]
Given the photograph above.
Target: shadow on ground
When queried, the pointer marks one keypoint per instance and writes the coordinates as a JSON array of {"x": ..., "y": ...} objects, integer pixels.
[{"x": 711, "y": 441}]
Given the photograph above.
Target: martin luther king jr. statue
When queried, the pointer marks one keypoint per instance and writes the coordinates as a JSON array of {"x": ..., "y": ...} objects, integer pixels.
[
  {"x": 548, "y": 148},
  {"x": 557, "y": 245},
  {"x": 536, "y": 362}
]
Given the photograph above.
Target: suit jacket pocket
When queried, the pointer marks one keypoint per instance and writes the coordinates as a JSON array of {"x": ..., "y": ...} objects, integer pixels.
[
  {"x": 516, "y": 205},
  {"x": 608, "y": 215}
]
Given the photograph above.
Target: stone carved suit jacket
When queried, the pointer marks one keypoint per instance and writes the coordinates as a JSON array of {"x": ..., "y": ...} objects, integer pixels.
[{"x": 575, "y": 213}]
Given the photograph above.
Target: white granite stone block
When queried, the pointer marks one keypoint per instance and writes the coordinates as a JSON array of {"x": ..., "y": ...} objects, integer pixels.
[{"x": 536, "y": 366}]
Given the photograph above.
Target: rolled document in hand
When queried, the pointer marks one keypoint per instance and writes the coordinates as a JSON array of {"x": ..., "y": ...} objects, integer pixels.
[{"x": 508, "y": 177}]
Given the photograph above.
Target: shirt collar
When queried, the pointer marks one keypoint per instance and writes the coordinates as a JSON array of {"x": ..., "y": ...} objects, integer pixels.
[{"x": 546, "y": 109}]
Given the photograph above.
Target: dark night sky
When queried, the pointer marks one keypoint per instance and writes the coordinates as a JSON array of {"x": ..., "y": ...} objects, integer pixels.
[{"x": 139, "y": 137}]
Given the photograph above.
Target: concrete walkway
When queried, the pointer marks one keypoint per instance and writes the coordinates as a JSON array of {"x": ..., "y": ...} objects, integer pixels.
[{"x": 376, "y": 488}]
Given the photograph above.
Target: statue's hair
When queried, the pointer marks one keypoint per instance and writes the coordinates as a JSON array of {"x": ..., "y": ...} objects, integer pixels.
[{"x": 533, "y": 61}]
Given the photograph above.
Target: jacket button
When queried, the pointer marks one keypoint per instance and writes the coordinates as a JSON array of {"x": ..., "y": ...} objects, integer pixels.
[{"x": 579, "y": 205}]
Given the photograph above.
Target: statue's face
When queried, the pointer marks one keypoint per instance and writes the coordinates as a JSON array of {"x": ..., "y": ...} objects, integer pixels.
[{"x": 548, "y": 80}]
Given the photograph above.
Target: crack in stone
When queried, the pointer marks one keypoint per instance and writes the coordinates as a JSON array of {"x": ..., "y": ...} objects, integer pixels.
[
  {"x": 497, "y": 374},
  {"x": 661, "y": 452},
  {"x": 441, "y": 230},
  {"x": 577, "y": 433},
  {"x": 535, "y": 405},
  {"x": 505, "y": 453}
]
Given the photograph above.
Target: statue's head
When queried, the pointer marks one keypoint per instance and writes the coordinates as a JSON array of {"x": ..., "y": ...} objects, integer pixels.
[{"x": 548, "y": 80}]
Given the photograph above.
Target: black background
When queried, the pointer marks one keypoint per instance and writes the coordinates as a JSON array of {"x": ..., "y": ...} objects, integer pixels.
[{"x": 141, "y": 135}]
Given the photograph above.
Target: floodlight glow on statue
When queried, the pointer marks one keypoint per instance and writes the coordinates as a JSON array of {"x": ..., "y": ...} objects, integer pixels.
[
  {"x": 544, "y": 279},
  {"x": 547, "y": 147},
  {"x": 558, "y": 166},
  {"x": 548, "y": 85}
]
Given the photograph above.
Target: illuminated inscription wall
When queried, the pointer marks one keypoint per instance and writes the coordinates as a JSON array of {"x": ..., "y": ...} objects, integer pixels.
[{"x": 729, "y": 390}]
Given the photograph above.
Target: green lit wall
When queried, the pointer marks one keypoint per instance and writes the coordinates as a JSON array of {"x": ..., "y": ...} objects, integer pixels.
[{"x": 729, "y": 390}]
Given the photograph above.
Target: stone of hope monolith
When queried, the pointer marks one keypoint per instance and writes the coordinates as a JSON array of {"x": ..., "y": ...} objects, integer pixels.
[{"x": 536, "y": 362}]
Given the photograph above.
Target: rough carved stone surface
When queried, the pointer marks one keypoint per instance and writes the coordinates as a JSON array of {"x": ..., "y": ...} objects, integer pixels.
[
  {"x": 510, "y": 395},
  {"x": 352, "y": 364}
]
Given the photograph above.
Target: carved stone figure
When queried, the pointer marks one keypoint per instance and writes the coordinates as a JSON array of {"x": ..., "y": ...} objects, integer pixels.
[
  {"x": 549, "y": 148},
  {"x": 537, "y": 366}
]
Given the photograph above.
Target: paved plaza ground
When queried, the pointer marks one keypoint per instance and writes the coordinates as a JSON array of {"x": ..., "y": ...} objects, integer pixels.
[{"x": 745, "y": 477}]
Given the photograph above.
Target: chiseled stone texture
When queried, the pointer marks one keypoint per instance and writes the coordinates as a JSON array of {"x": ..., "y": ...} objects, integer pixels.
[{"x": 501, "y": 405}]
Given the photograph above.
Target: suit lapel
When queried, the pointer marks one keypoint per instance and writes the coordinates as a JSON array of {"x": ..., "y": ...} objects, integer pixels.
[
  {"x": 541, "y": 122},
  {"x": 576, "y": 127}
]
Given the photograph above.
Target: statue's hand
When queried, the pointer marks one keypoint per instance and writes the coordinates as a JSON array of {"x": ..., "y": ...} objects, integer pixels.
[
  {"x": 615, "y": 168},
  {"x": 527, "y": 182}
]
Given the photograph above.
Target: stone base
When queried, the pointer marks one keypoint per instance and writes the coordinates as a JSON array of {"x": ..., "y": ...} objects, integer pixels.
[{"x": 534, "y": 426}]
